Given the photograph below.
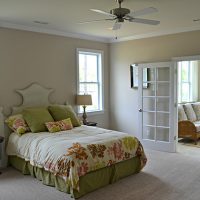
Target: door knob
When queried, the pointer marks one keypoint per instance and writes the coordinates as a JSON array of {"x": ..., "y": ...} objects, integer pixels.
[{"x": 140, "y": 110}]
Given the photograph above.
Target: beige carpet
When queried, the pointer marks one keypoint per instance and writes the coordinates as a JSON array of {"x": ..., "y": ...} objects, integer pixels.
[
  {"x": 189, "y": 142},
  {"x": 167, "y": 176}
]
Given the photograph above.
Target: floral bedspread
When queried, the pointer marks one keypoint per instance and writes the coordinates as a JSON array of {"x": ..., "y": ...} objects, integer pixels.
[{"x": 73, "y": 153}]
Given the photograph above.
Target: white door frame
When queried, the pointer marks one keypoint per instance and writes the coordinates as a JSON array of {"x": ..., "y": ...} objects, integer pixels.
[{"x": 175, "y": 61}]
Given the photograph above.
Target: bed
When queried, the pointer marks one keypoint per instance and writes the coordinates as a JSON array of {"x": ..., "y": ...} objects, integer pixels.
[{"x": 75, "y": 161}]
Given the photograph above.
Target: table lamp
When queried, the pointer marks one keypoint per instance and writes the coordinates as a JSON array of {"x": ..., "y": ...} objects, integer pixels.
[{"x": 84, "y": 100}]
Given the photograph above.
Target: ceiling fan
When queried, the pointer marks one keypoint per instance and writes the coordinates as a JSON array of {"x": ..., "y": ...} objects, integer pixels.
[{"x": 120, "y": 15}]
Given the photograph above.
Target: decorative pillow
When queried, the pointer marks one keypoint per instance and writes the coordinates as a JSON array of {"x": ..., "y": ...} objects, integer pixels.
[
  {"x": 52, "y": 127},
  {"x": 65, "y": 124},
  {"x": 62, "y": 125},
  {"x": 17, "y": 124},
  {"x": 181, "y": 113},
  {"x": 190, "y": 112},
  {"x": 196, "y": 107},
  {"x": 36, "y": 118},
  {"x": 60, "y": 112}
]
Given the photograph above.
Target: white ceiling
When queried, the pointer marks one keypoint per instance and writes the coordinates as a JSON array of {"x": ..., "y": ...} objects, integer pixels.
[{"x": 63, "y": 17}]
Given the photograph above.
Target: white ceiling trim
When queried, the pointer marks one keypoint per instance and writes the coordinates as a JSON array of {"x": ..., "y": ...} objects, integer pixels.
[
  {"x": 51, "y": 32},
  {"x": 154, "y": 34},
  {"x": 93, "y": 38}
]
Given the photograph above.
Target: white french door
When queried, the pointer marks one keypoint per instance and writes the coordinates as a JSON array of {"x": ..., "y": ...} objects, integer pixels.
[{"x": 157, "y": 105}]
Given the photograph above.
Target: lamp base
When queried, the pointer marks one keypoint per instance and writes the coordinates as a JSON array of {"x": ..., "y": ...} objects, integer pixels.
[
  {"x": 85, "y": 122},
  {"x": 84, "y": 116}
]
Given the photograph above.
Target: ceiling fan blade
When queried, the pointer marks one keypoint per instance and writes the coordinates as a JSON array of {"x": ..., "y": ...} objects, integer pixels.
[
  {"x": 116, "y": 26},
  {"x": 103, "y": 12},
  {"x": 144, "y": 21},
  {"x": 97, "y": 20},
  {"x": 144, "y": 11}
]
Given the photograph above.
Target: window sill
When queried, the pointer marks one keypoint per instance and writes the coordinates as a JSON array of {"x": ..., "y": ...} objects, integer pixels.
[{"x": 91, "y": 113}]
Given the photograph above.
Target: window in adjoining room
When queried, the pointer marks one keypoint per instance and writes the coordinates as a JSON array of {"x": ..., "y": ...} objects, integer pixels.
[
  {"x": 187, "y": 81},
  {"x": 90, "y": 80}
]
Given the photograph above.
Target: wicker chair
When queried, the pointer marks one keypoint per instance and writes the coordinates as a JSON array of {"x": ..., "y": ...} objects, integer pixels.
[{"x": 187, "y": 129}]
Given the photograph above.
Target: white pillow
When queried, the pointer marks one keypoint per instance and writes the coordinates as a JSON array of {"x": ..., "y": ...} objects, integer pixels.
[
  {"x": 190, "y": 112},
  {"x": 196, "y": 107},
  {"x": 181, "y": 113}
]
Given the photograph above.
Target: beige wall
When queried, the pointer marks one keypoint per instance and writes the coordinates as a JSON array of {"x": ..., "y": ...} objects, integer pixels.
[
  {"x": 27, "y": 57},
  {"x": 124, "y": 100},
  {"x": 198, "y": 80}
]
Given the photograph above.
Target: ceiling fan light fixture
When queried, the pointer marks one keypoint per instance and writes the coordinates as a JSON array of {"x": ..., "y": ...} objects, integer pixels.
[{"x": 120, "y": 20}]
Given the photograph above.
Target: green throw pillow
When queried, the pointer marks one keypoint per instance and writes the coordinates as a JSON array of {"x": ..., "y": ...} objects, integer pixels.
[
  {"x": 36, "y": 118},
  {"x": 60, "y": 112}
]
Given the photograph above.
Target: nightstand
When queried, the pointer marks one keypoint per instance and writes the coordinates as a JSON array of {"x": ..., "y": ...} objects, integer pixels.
[
  {"x": 1, "y": 141},
  {"x": 91, "y": 124}
]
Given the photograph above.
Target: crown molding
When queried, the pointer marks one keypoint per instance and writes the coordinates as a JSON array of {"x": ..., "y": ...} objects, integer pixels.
[
  {"x": 52, "y": 32},
  {"x": 94, "y": 38},
  {"x": 155, "y": 34}
]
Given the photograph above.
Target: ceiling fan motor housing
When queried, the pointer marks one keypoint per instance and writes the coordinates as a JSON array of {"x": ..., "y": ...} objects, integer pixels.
[{"x": 120, "y": 12}]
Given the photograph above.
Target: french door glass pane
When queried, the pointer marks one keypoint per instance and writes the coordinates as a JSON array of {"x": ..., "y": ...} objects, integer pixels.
[
  {"x": 152, "y": 74},
  {"x": 145, "y": 77},
  {"x": 149, "y": 104},
  {"x": 149, "y": 133},
  {"x": 162, "y": 104},
  {"x": 91, "y": 88},
  {"x": 149, "y": 118},
  {"x": 163, "y": 74},
  {"x": 162, "y": 89},
  {"x": 150, "y": 91},
  {"x": 162, "y": 119},
  {"x": 162, "y": 134}
]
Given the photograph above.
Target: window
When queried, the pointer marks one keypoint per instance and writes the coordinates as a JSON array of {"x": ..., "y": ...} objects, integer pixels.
[
  {"x": 90, "y": 67},
  {"x": 187, "y": 81}
]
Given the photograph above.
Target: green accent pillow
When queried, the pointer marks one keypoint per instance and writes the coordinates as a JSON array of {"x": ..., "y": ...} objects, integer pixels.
[
  {"x": 60, "y": 112},
  {"x": 36, "y": 118}
]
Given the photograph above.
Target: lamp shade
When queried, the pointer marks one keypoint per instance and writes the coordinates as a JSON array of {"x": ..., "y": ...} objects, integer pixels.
[{"x": 85, "y": 99}]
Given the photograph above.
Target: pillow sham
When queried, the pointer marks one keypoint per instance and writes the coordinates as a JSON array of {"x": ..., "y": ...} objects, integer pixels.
[
  {"x": 60, "y": 112},
  {"x": 36, "y": 118},
  {"x": 181, "y": 113},
  {"x": 17, "y": 124},
  {"x": 52, "y": 127},
  {"x": 190, "y": 112},
  {"x": 65, "y": 124},
  {"x": 196, "y": 107},
  {"x": 62, "y": 125}
]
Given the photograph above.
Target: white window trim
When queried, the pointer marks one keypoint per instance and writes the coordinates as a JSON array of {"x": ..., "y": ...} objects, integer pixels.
[
  {"x": 102, "y": 78},
  {"x": 189, "y": 81}
]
